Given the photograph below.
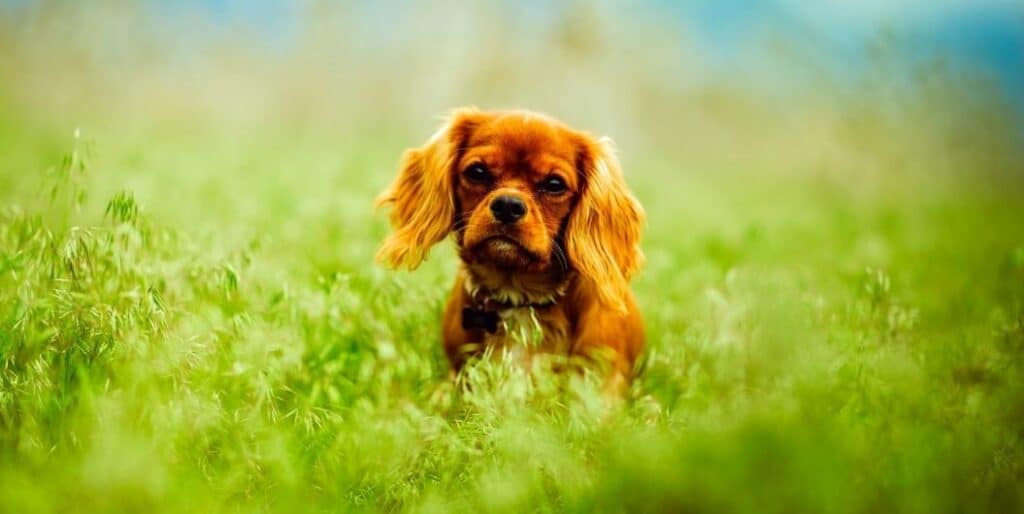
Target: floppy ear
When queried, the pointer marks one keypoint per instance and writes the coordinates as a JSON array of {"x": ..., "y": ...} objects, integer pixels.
[
  {"x": 603, "y": 234},
  {"x": 423, "y": 205}
]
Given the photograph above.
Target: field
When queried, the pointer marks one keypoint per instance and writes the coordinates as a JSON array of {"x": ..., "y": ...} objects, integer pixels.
[{"x": 191, "y": 319}]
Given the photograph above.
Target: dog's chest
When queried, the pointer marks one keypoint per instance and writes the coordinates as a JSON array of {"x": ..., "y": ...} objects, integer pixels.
[
  {"x": 516, "y": 316},
  {"x": 526, "y": 331}
]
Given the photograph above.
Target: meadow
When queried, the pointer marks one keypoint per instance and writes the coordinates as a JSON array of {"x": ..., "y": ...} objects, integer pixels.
[{"x": 191, "y": 318}]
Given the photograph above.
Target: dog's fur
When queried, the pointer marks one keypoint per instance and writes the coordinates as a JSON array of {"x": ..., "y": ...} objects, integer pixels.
[{"x": 563, "y": 267}]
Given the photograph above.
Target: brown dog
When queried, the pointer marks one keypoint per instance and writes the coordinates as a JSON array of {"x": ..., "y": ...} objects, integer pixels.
[{"x": 546, "y": 229}]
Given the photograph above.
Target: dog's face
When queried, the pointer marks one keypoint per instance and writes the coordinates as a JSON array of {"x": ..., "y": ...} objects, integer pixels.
[
  {"x": 515, "y": 185},
  {"x": 523, "y": 193}
]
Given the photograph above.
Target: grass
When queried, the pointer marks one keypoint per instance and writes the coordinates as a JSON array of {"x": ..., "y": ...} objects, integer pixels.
[
  {"x": 190, "y": 319},
  {"x": 810, "y": 349}
]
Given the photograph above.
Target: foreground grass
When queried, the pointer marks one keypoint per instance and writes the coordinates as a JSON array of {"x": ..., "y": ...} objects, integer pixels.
[{"x": 192, "y": 323}]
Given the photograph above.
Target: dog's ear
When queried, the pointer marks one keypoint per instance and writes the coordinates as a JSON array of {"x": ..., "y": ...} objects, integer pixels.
[
  {"x": 423, "y": 205},
  {"x": 603, "y": 234}
]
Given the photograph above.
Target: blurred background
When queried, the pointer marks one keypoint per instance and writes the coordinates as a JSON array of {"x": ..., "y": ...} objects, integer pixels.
[
  {"x": 855, "y": 94},
  {"x": 273, "y": 116},
  {"x": 778, "y": 82}
]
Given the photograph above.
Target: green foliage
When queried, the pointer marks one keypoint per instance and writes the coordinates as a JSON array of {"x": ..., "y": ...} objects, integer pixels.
[{"x": 868, "y": 361}]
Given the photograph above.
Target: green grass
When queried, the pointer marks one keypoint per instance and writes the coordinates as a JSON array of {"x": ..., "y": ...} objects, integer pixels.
[
  {"x": 191, "y": 320},
  {"x": 194, "y": 323}
]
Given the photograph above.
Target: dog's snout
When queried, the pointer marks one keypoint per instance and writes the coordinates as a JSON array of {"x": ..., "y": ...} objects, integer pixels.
[{"x": 508, "y": 209}]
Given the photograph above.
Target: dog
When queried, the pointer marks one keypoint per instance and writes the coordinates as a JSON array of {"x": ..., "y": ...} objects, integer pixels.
[{"x": 548, "y": 235}]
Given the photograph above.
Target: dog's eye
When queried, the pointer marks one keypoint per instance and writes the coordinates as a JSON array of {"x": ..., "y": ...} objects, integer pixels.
[
  {"x": 478, "y": 173},
  {"x": 553, "y": 185}
]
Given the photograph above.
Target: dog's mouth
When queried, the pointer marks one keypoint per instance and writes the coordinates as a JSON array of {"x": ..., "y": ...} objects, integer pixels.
[
  {"x": 504, "y": 251},
  {"x": 502, "y": 243}
]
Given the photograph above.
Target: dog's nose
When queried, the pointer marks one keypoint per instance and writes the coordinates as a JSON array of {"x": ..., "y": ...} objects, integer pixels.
[{"x": 508, "y": 209}]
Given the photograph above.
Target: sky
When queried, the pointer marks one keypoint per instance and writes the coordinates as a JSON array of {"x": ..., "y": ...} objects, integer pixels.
[{"x": 983, "y": 35}]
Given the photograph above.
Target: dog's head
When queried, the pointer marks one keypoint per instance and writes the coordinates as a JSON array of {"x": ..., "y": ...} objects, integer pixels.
[{"x": 523, "y": 193}]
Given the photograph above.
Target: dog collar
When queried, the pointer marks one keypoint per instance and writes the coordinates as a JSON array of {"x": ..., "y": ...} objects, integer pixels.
[{"x": 482, "y": 313}]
